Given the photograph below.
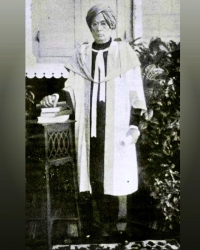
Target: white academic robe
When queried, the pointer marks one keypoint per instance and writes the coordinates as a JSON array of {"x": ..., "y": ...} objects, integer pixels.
[{"x": 124, "y": 89}]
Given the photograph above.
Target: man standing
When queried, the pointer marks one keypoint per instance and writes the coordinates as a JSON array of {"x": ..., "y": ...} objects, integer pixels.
[{"x": 106, "y": 90}]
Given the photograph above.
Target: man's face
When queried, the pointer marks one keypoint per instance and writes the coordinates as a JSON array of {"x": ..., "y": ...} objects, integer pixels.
[{"x": 100, "y": 29}]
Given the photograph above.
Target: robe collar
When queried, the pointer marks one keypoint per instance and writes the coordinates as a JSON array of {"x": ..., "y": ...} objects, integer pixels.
[
  {"x": 121, "y": 58},
  {"x": 101, "y": 46}
]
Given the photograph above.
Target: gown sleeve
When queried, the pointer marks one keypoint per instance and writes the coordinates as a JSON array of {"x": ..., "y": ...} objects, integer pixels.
[{"x": 136, "y": 94}]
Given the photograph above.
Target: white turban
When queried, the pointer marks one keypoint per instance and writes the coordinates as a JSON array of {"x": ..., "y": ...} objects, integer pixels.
[{"x": 106, "y": 11}]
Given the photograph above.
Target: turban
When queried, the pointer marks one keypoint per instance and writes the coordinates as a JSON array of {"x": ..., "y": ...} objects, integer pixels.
[{"x": 106, "y": 11}]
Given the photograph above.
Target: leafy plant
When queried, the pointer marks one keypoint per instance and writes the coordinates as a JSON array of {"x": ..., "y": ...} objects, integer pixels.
[
  {"x": 159, "y": 144},
  {"x": 30, "y": 98},
  {"x": 167, "y": 192}
]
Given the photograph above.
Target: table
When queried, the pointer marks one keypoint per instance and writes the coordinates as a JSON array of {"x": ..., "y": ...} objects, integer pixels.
[{"x": 59, "y": 152}]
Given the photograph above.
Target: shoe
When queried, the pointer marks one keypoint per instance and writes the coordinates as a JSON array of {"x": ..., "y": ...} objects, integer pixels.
[
  {"x": 121, "y": 224},
  {"x": 94, "y": 236},
  {"x": 105, "y": 231},
  {"x": 122, "y": 237}
]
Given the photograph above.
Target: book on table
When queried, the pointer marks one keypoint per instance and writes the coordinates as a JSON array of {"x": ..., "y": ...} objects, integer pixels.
[
  {"x": 57, "y": 114},
  {"x": 57, "y": 119},
  {"x": 59, "y": 107},
  {"x": 54, "y": 114}
]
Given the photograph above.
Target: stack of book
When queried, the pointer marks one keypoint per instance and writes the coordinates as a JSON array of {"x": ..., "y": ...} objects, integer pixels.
[{"x": 58, "y": 114}]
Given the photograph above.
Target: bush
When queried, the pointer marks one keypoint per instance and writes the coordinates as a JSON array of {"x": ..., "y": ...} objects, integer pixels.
[{"x": 159, "y": 144}]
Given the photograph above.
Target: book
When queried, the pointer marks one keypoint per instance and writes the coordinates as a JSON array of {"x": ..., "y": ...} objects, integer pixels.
[
  {"x": 60, "y": 106},
  {"x": 53, "y": 109},
  {"x": 57, "y": 119},
  {"x": 54, "y": 114}
]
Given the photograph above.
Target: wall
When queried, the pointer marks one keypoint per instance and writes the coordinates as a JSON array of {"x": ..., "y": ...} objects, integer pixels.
[
  {"x": 58, "y": 28},
  {"x": 161, "y": 18},
  {"x": 55, "y": 30}
]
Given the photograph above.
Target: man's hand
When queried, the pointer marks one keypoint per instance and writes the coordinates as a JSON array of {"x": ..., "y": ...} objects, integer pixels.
[
  {"x": 131, "y": 136},
  {"x": 49, "y": 101}
]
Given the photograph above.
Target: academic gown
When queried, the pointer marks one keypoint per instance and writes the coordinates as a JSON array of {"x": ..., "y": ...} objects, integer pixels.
[{"x": 124, "y": 89}]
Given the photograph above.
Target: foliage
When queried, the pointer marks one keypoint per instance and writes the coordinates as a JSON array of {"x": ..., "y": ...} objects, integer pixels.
[
  {"x": 30, "y": 97},
  {"x": 159, "y": 144},
  {"x": 167, "y": 192}
]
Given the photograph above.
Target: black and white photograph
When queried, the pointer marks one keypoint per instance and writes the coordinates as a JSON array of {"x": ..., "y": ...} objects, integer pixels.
[{"x": 102, "y": 124}]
